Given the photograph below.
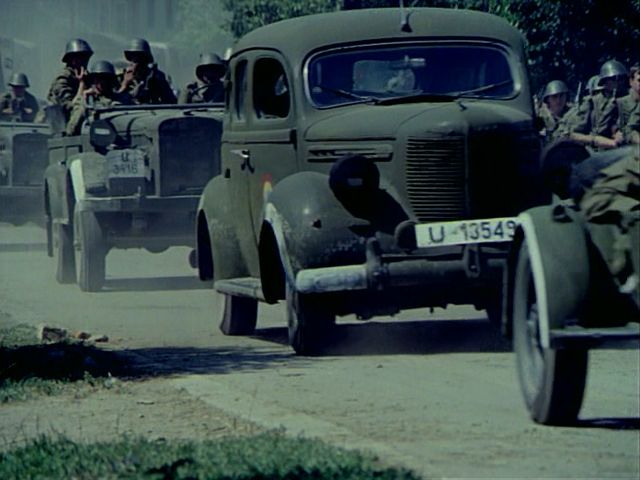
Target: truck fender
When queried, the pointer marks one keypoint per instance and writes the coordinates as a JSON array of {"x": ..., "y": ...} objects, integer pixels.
[
  {"x": 87, "y": 173},
  {"x": 558, "y": 245}
]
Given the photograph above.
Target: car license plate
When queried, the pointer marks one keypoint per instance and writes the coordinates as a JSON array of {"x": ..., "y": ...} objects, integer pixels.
[
  {"x": 465, "y": 231},
  {"x": 126, "y": 163}
]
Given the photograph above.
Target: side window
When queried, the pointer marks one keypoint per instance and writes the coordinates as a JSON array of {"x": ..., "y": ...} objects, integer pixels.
[
  {"x": 271, "y": 94},
  {"x": 240, "y": 88}
]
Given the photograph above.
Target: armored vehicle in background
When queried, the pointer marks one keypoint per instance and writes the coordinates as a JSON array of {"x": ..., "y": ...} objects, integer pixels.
[
  {"x": 23, "y": 160},
  {"x": 371, "y": 162},
  {"x": 132, "y": 179}
]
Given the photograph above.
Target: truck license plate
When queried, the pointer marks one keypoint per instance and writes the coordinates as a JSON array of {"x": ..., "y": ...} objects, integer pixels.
[
  {"x": 126, "y": 163},
  {"x": 465, "y": 231}
]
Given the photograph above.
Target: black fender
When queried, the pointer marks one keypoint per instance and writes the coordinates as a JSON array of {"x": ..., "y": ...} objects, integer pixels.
[
  {"x": 559, "y": 248},
  {"x": 312, "y": 228},
  {"x": 216, "y": 237}
]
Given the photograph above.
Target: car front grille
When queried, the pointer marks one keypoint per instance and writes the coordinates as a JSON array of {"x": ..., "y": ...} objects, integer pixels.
[
  {"x": 189, "y": 154},
  {"x": 435, "y": 176},
  {"x": 30, "y": 158}
]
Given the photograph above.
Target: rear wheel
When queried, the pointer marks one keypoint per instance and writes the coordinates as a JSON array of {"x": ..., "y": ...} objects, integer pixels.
[
  {"x": 91, "y": 252},
  {"x": 65, "y": 261},
  {"x": 239, "y": 315},
  {"x": 310, "y": 323},
  {"x": 552, "y": 380}
]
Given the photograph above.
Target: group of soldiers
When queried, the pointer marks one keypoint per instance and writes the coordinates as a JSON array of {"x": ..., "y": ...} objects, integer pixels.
[
  {"x": 607, "y": 117},
  {"x": 79, "y": 87}
]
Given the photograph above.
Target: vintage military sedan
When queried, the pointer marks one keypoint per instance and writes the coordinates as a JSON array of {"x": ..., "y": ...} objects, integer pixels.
[{"x": 372, "y": 161}]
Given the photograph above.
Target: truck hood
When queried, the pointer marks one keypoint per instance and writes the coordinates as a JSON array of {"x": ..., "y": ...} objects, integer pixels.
[{"x": 378, "y": 122}]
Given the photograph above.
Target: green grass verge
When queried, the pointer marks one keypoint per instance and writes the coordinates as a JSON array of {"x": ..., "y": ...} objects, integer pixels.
[{"x": 265, "y": 456}]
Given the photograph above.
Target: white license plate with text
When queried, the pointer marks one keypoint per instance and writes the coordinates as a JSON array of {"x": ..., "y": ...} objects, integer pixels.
[
  {"x": 465, "y": 231},
  {"x": 126, "y": 163}
]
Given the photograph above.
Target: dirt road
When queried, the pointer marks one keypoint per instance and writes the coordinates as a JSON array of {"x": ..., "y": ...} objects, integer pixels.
[{"x": 436, "y": 392}]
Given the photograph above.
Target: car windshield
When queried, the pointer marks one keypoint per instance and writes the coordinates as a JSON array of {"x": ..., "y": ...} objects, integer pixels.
[{"x": 415, "y": 72}]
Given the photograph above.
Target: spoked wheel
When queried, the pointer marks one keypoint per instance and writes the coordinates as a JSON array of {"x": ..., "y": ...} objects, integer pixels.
[
  {"x": 239, "y": 315},
  {"x": 552, "y": 380},
  {"x": 65, "y": 261},
  {"x": 91, "y": 252},
  {"x": 311, "y": 325}
]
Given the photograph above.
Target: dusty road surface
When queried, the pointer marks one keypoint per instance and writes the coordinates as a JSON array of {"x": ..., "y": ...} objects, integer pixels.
[{"x": 436, "y": 392}]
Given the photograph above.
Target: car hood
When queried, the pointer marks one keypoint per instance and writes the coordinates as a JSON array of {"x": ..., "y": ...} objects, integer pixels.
[{"x": 379, "y": 122}]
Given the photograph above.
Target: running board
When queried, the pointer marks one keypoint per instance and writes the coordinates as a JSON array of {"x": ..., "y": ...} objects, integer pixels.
[
  {"x": 574, "y": 336},
  {"x": 241, "y": 287}
]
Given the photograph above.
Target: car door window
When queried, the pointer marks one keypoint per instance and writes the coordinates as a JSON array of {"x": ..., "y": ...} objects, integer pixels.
[
  {"x": 241, "y": 87},
  {"x": 271, "y": 93}
]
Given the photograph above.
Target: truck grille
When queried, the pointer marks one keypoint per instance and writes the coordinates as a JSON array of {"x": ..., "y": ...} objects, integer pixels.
[
  {"x": 435, "y": 175},
  {"x": 189, "y": 154},
  {"x": 30, "y": 158}
]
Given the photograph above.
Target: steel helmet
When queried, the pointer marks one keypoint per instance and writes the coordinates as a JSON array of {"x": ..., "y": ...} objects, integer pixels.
[
  {"x": 103, "y": 67},
  {"x": 76, "y": 46},
  {"x": 139, "y": 45},
  {"x": 593, "y": 85},
  {"x": 210, "y": 60},
  {"x": 19, "y": 80},
  {"x": 555, "y": 87},
  {"x": 612, "y": 68}
]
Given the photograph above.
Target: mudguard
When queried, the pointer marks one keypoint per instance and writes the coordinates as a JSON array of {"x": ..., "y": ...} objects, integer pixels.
[
  {"x": 558, "y": 245},
  {"x": 217, "y": 210},
  {"x": 312, "y": 228}
]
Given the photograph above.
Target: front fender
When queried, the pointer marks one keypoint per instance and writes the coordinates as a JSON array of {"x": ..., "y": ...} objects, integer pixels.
[
  {"x": 312, "y": 228},
  {"x": 216, "y": 210}
]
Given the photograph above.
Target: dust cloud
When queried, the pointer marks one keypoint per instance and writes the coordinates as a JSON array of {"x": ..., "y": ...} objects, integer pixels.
[{"x": 33, "y": 35}]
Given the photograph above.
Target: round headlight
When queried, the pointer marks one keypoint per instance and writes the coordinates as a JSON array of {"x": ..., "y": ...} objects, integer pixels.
[
  {"x": 354, "y": 175},
  {"x": 102, "y": 133}
]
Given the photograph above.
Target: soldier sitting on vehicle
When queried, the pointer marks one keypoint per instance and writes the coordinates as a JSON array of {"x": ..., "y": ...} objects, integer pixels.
[
  {"x": 103, "y": 81},
  {"x": 208, "y": 88},
  {"x": 629, "y": 110},
  {"x": 142, "y": 79},
  {"x": 594, "y": 125},
  {"x": 554, "y": 107},
  {"x": 18, "y": 105},
  {"x": 65, "y": 86}
]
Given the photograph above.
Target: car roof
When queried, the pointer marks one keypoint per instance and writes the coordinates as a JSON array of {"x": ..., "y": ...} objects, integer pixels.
[{"x": 298, "y": 36}]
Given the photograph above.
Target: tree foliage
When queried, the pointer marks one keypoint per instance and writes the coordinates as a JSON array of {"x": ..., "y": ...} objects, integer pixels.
[{"x": 567, "y": 39}]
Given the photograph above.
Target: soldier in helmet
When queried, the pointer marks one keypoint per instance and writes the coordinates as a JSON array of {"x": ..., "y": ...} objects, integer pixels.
[
  {"x": 208, "y": 87},
  {"x": 142, "y": 79},
  {"x": 101, "y": 93},
  {"x": 596, "y": 122},
  {"x": 628, "y": 127},
  {"x": 554, "y": 107},
  {"x": 65, "y": 86},
  {"x": 18, "y": 105}
]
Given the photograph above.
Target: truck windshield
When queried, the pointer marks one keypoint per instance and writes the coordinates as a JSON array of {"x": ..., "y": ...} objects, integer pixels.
[{"x": 415, "y": 72}]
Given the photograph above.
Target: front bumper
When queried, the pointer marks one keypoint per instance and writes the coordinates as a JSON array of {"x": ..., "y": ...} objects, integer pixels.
[{"x": 139, "y": 204}]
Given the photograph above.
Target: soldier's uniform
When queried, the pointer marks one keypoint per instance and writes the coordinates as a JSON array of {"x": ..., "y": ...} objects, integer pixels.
[
  {"x": 18, "y": 105},
  {"x": 552, "y": 122}
]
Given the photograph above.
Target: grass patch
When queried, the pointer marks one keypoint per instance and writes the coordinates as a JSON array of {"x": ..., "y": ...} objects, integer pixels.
[{"x": 265, "y": 456}]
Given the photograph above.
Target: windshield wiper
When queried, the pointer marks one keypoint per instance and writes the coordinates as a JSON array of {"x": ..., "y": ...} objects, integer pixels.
[
  {"x": 343, "y": 93},
  {"x": 416, "y": 97},
  {"x": 484, "y": 88}
]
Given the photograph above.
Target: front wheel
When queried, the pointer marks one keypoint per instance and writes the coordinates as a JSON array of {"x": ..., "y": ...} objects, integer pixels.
[
  {"x": 310, "y": 323},
  {"x": 239, "y": 315},
  {"x": 552, "y": 380},
  {"x": 91, "y": 252},
  {"x": 65, "y": 261}
]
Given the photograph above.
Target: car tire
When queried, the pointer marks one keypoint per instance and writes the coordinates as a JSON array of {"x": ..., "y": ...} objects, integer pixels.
[
  {"x": 65, "y": 260},
  {"x": 552, "y": 380},
  {"x": 239, "y": 315},
  {"x": 48, "y": 225},
  {"x": 309, "y": 322},
  {"x": 91, "y": 252}
]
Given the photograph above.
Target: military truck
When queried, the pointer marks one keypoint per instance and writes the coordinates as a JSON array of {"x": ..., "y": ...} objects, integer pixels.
[
  {"x": 23, "y": 160},
  {"x": 132, "y": 179},
  {"x": 372, "y": 161}
]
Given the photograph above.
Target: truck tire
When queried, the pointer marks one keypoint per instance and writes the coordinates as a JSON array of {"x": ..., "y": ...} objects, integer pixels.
[
  {"x": 310, "y": 324},
  {"x": 65, "y": 261},
  {"x": 90, "y": 261},
  {"x": 552, "y": 380},
  {"x": 239, "y": 315}
]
